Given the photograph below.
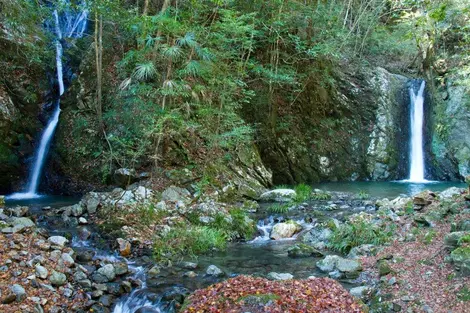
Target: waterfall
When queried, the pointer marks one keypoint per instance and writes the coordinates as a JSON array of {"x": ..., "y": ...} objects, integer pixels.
[
  {"x": 67, "y": 24},
  {"x": 417, "y": 121}
]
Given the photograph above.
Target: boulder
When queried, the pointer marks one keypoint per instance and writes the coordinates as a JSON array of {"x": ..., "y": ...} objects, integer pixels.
[
  {"x": 213, "y": 270},
  {"x": 124, "y": 177},
  {"x": 124, "y": 247},
  {"x": 57, "y": 279},
  {"x": 91, "y": 201},
  {"x": 278, "y": 195},
  {"x": 450, "y": 193},
  {"x": 41, "y": 272},
  {"x": 302, "y": 250},
  {"x": 285, "y": 230},
  {"x": 348, "y": 266},
  {"x": 280, "y": 276},
  {"x": 461, "y": 259},
  {"x": 176, "y": 194},
  {"x": 19, "y": 292},
  {"x": 384, "y": 268},
  {"x": 58, "y": 240},
  {"x": 107, "y": 271},
  {"x": 424, "y": 198},
  {"x": 361, "y": 292},
  {"x": 328, "y": 264}
]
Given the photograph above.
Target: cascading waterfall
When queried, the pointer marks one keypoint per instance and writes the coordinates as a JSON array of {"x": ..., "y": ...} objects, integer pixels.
[
  {"x": 69, "y": 24},
  {"x": 417, "y": 121}
]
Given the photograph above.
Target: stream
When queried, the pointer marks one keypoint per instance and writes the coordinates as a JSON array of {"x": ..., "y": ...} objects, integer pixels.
[{"x": 259, "y": 257}]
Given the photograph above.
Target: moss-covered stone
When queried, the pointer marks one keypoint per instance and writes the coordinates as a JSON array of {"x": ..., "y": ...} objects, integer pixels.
[
  {"x": 384, "y": 268},
  {"x": 302, "y": 250},
  {"x": 461, "y": 259}
]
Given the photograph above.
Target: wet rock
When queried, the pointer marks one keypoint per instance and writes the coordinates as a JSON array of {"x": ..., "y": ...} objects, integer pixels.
[
  {"x": 107, "y": 300},
  {"x": 188, "y": 265},
  {"x": 121, "y": 268},
  {"x": 154, "y": 271},
  {"x": 190, "y": 274},
  {"x": 91, "y": 201},
  {"x": 177, "y": 294},
  {"x": 147, "y": 309},
  {"x": 18, "y": 211},
  {"x": 285, "y": 230},
  {"x": 328, "y": 264},
  {"x": 77, "y": 210},
  {"x": 303, "y": 251},
  {"x": 99, "y": 308},
  {"x": 84, "y": 256},
  {"x": 41, "y": 272},
  {"x": 114, "y": 289},
  {"x": 317, "y": 237},
  {"x": 124, "y": 247},
  {"x": 280, "y": 276},
  {"x": 67, "y": 260},
  {"x": 107, "y": 271},
  {"x": 82, "y": 221},
  {"x": 57, "y": 279},
  {"x": 213, "y": 270},
  {"x": 19, "y": 292},
  {"x": 348, "y": 266},
  {"x": 58, "y": 240},
  {"x": 278, "y": 195}
]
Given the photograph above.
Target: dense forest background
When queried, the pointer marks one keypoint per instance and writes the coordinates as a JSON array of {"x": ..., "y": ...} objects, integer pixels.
[{"x": 187, "y": 89}]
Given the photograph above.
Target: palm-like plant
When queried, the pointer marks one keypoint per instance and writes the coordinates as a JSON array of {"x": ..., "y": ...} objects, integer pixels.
[{"x": 144, "y": 71}]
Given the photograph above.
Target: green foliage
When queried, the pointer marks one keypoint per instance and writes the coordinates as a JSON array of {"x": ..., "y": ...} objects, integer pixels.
[
  {"x": 358, "y": 232},
  {"x": 322, "y": 195},
  {"x": 188, "y": 240},
  {"x": 429, "y": 236},
  {"x": 279, "y": 208},
  {"x": 464, "y": 294},
  {"x": 363, "y": 195},
  {"x": 303, "y": 193}
]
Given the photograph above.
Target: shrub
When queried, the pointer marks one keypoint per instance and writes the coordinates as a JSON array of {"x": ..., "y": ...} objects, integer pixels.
[
  {"x": 184, "y": 240},
  {"x": 321, "y": 195},
  {"x": 358, "y": 231},
  {"x": 363, "y": 195},
  {"x": 303, "y": 193},
  {"x": 279, "y": 208}
]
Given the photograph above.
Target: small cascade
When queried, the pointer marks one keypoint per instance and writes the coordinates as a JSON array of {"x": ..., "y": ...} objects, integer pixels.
[
  {"x": 417, "y": 121},
  {"x": 69, "y": 24},
  {"x": 139, "y": 299}
]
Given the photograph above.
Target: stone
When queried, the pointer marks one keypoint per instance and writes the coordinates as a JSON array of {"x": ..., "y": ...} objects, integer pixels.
[
  {"x": 154, "y": 271},
  {"x": 41, "y": 272},
  {"x": 8, "y": 298},
  {"x": 176, "y": 194},
  {"x": 384, "y": 268},
  {"x": 328, "y": 264},
  {"x": 361, "y": 292},
  {"x": 124, "y": 247},
  {"x": 82, "y": 221},
  {"x": 91, "y": 201},
  {"x": 450, "y": 193},
  {"x": 124, "y": 177},
  {"x": 18, "y": 211},
  {"x": 302, "y": 250},
  {"x": 285, "y": 230},
  {"x": 278, "y": 195},
  {"x": 77, "y": 210},
  {"x": 348, "y": 266},
  {"x": 58, "y": 240},
  {"x": 19, "y": 292},
  {"x": 121, "y": 268},
  {"x": 362, "y": 250},
  {"x": 188, "y": 265},
  {"x": 107, "y": 271},
  {"x": 57, "y": 279},
  {"x": 67, "y": 260},
  {"x": 424, "y": 198},
  {"x": 213, "y": 270},
  {"x": 280, "y": 276},
  {"x": 461, "y": 259},
  {"x": 190, "y": 274}
]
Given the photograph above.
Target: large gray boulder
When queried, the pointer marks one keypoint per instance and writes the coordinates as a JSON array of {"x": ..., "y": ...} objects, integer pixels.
[
  {"x": 124, "y": 177},
  {"x": 285, "y": 230},
  {"x": 278, "y": 195},
  {"x": 280, "y": 276},
  {"x": 176, "y": 194}
]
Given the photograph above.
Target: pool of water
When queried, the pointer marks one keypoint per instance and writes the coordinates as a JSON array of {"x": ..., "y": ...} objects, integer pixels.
[
  {"x": 388, "y": 189},
  {"x": 43, "y": 201}
]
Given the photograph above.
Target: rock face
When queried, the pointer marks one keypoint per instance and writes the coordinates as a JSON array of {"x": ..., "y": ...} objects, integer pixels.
[{"x": 387, "y": 150}]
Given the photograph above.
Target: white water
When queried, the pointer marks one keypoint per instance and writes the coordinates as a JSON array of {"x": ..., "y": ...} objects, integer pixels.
[
  {"x": 417, "y": 120},
  {"x": 73, "y": 26}
]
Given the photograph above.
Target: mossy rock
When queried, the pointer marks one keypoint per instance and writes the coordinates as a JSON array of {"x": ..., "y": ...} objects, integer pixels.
[
  {"x": 461, "y": 259},
  {"x": 452, "y": 240},
  {"x": 384, "y": 268},
  {"x": 302, "y": 250}
]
